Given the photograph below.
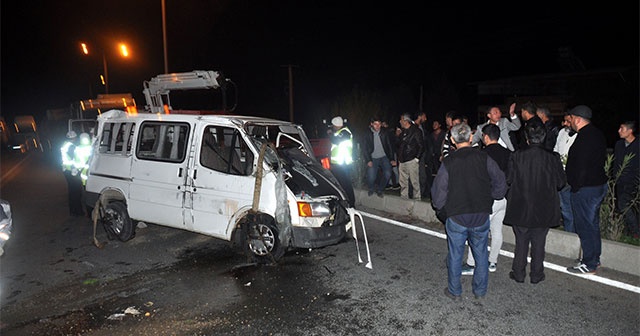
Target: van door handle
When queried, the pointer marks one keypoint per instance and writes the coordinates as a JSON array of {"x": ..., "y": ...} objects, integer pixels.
[{"x": 180, "y": 172}]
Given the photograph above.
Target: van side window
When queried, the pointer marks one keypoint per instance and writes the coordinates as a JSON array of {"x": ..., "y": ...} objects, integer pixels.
[
  {"x": 223, "y": 149},
  {"x": 117, "y": 138},
  {"x": 163, "y": 141}
]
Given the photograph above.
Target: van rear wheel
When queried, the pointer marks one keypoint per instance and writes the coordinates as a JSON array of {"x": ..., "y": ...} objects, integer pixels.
[{"x": 117, "y": 222}]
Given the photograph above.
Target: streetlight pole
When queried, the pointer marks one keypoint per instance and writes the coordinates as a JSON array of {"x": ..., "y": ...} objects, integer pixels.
[
  {"x": 106, "y": 73},
  {"x": 105, "y": 76},
  {"x": 164, "y": 37}
]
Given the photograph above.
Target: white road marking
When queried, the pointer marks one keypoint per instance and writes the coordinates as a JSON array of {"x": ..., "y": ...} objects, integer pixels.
[{"x": 562, "y": 269}]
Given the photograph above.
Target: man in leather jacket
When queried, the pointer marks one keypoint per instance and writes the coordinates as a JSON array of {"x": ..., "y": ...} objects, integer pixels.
[{"x": 409, "y": 151}]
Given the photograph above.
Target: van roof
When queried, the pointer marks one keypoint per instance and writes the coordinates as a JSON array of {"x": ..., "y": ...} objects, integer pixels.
[{"x": 235, "y": 119}]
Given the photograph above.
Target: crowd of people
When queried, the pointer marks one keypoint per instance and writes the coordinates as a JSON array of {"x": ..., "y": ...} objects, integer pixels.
[{"x": 521, "y": 170}]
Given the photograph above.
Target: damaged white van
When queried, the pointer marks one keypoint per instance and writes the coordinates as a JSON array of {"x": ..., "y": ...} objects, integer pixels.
[{"x": 248, "y": 180}]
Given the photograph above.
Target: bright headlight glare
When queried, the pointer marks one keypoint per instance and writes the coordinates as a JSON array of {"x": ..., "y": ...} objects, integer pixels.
[{"x": 314, "y": 209}]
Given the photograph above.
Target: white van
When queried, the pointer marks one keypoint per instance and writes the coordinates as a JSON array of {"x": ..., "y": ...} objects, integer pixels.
[{"x": 206, "y": 174}]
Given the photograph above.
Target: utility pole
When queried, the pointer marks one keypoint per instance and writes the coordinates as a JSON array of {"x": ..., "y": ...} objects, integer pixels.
[
  {"x": 289, "y": 66},
  {"x": 164, "y": 38},
  {"x": 106, "y": 73}
]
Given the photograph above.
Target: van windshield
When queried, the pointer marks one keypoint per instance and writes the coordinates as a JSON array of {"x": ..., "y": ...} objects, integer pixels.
[{"x": 282, "y": 137}]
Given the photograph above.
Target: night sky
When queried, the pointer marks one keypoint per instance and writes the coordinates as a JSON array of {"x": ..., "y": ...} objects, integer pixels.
[{"x": 334, "y": 46}]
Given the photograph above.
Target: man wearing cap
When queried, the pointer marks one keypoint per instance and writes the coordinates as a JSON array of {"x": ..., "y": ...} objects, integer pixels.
[
  {"x": 342, "y": 156},
  {"x": 588, "y": 181},
  {"x": 72, "y": 174}
]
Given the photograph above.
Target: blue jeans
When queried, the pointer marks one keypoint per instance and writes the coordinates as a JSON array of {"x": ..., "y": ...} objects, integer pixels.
[
  {"x": 565, "y": 207},
  {"x": 372, "y": 174},
  {"x": 478, "y": 238},
  {"x": 586, "y": 217}
]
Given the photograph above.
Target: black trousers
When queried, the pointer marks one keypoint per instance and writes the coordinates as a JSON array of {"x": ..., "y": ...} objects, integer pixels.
[
  {"x": 343, "y": 175},
  {"x": 537, "y": 237},
  {"x": 74, "y": 193}
]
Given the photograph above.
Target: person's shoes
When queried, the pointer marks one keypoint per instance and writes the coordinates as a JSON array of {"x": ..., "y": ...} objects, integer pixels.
[
  {"x": 512, "y": 276},
  {"x": 578, "y": 262},
  {"x": 538, "y": 280},
  {"x": 478, "y": 297},
  {"x": 448, "y": 294},
  {"x": 580, "y": 269},
  {"x": 493, "y": 267},
  {"x": 370, "y": 193},
  {"x": 380, "y": 194},
  {"x": 467, "y": 270},
  {"x": 395, "y": 187}
]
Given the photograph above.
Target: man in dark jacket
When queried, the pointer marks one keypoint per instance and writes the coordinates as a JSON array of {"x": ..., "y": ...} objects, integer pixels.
[
  {"x": 588, "y": 181},
  {"x": 409, "y": 151},
  {"x": 552, "y": 129},
  {"x": 533, "y": 204},
  {"x": 424, "y": 168},
  {"x": 627, "y": 184},
  {"x": 464, "y": 188},
  {"x": 378, "y": 153}
]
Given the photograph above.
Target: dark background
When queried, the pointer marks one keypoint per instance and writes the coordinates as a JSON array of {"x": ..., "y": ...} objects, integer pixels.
[{"x": 334, "y": 46}]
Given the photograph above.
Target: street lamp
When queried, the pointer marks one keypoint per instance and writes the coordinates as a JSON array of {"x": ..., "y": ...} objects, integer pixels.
[{"x": 123, "y": 50}]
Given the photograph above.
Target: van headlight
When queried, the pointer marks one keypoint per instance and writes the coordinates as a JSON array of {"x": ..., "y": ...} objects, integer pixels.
[{"x": 313, "y": 209}]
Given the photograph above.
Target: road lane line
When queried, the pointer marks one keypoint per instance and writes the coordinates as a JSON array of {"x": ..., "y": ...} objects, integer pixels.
[
  {"x": 555, "y": 267},
  {"x": 9, "y": 175}
]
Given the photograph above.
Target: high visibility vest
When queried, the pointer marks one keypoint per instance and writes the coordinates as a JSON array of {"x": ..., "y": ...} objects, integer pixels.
[
  {"x": 81, "y": 157},
  {"x": 342, "y": 152},
  {"x": 67, "y": 158}
]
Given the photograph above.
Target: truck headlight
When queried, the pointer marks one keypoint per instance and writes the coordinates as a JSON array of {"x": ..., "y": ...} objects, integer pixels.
[{"x": 313, "y": 209}]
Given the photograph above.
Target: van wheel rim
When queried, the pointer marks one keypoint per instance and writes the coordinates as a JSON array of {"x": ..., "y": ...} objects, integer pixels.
[
  {"x": 262, "y": 241},
  {"x": 115, "y": 221}
]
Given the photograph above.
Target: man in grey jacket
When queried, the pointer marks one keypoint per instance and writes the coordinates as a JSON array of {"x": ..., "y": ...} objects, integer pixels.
[{"x": 494, "y": 116}]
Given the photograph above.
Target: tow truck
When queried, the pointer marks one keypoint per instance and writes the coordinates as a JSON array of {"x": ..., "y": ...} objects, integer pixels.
[{"x": 157, "y": 90}]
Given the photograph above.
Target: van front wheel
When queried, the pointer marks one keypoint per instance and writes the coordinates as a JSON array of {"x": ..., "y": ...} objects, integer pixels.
[
  {"x": 262, "y": 242},
  {"x": 117, "y": 222}
]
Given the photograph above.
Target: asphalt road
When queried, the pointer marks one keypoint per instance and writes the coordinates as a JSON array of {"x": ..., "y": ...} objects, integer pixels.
[{"x": 54, "y": 281}]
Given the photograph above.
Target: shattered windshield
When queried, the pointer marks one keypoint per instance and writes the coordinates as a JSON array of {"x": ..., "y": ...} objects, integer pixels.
[{"x": 282, "y": 137}]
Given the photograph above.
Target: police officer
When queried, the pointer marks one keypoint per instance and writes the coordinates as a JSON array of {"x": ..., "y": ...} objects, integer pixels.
[
  {"x": 342, "y": 156},
  {"x": 81, "y": 156},
  {"x": 72, "y": 174}
]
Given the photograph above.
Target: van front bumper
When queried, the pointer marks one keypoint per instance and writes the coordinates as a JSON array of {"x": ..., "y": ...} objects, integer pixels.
[{"x": 305, "y": 237}]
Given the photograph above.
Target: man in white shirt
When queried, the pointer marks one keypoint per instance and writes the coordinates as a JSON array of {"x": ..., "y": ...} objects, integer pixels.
[{"x": 565, "y": 139}]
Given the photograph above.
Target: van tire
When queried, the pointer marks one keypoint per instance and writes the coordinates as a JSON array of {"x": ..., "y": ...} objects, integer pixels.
[
  {"x": 117, "y": 222},
  {"x": 261, "y": 240}
]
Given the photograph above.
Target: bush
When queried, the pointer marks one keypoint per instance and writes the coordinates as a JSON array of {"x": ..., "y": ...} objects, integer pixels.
[{"x": 611, "y": 220}]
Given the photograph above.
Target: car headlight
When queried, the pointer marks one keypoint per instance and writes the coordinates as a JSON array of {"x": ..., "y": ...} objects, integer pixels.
[{"x": 313, "y": 209}]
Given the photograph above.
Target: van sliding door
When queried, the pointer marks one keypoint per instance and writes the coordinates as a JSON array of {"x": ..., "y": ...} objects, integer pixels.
[{"x": 159, "y": 172}]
